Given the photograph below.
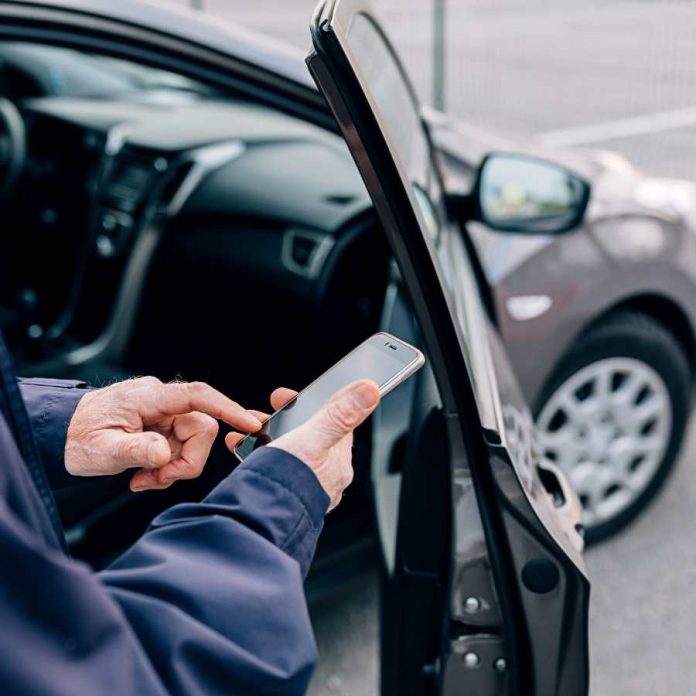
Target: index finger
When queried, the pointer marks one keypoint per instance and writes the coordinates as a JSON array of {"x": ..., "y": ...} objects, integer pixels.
[{"x": 183, "y": 397}]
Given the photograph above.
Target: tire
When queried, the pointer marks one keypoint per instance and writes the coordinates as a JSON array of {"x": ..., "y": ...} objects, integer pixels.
[{"x": 603, "y": 435}]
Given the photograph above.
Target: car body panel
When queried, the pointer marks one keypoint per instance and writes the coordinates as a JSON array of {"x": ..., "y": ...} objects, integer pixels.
[
  {"x": 637, "y": 242},
  {"x": 585, "y": 280}
]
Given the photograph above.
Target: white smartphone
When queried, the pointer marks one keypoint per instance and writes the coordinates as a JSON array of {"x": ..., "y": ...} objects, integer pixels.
[{"x": 383, "y": 358}]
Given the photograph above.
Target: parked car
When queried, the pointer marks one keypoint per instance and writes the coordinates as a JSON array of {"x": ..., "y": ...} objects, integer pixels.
[
  {"x": 178, "y": 199},
  {"x": 598, "y": 320}
]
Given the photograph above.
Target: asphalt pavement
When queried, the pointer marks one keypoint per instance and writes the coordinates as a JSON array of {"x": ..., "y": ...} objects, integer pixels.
[{"x": 606, "y": 74}]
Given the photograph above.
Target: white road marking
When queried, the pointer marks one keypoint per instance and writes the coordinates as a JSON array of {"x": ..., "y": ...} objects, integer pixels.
[{"x": 621, "y": 128}]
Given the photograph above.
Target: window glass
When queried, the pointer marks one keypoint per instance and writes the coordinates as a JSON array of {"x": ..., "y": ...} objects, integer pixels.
[{"x": 398, "y": 111}]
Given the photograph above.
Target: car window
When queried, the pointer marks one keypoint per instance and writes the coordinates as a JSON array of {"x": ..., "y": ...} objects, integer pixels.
[
  {"x": 397, "y": 108},
  {"x": 131, "y": 178},
  {"x": 32, "y": 70},
  {"x": 399, "y": 112}
]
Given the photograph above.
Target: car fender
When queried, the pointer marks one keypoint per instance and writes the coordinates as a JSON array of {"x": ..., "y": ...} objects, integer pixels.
[{"x": 580, "y": 277}]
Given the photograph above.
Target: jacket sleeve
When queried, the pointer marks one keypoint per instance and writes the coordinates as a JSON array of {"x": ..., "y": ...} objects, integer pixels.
[
  {"x": 209, "y": 601},
  {"x": 50, "y": 404}
]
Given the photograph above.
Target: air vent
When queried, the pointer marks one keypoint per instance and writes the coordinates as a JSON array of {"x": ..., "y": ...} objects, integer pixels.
[
  {"x": 174, "y": 183},
  {"x": 130, "y": 181},
  {"x": 304, "y": 251}
]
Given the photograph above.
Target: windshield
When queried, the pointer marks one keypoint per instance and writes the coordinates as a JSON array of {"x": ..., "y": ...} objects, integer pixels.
[{"x": 30, "y": 70}]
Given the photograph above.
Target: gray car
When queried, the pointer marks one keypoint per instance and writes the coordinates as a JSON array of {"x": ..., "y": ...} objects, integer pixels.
[
  {"x": 188, "y": 203},
  {"x": 598, "y": 321}
]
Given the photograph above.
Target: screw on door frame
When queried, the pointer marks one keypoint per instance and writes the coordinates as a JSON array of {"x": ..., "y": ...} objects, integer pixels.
[
  {"x": 472, "y": 605},
  {"x": 471, "y": 660}
]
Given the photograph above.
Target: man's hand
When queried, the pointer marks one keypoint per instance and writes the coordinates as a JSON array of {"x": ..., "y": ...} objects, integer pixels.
[
  {"x": 325, "y": 441},
  {"x": 164, "y": 430}
]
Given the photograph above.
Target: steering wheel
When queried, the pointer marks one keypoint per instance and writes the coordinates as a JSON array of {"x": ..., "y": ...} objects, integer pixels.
[{"x": 13, "y": 147}]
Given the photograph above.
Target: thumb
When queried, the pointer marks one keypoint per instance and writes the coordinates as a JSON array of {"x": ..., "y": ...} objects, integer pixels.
[
  {"x": 344, "y": 412},
  {"x": 146, "y": 450}
]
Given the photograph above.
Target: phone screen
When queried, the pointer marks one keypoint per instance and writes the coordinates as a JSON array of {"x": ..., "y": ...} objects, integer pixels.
[{"x": 381, "y": 358}]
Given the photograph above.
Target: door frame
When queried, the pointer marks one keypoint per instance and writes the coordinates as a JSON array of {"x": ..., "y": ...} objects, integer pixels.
[{"x": 418, "y": 268}]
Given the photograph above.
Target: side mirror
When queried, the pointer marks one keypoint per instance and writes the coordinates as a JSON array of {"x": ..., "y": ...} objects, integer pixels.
[{"x": 519, "y": 193}]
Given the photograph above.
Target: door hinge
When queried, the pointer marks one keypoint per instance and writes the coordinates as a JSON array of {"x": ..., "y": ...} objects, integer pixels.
[
  {"x": 474, "y": 601},
  {"x": 477, "y": 665}
]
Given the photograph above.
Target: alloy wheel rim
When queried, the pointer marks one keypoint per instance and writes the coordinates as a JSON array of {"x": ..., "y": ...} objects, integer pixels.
[{"x": 608, "y": 427}]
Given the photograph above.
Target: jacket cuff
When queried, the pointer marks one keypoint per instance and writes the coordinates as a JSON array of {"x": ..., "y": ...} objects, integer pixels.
[
  {"x": 295, "y": 476},
  {"x": 287, "y": 497},
  {"x": 50, "y": 404}
]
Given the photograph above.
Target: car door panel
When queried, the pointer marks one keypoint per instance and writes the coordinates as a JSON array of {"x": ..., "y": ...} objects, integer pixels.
[{"x": 514, "y": 615}]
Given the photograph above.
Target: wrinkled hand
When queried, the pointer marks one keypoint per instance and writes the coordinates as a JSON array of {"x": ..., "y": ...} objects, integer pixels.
[
  {"x": 325, "y": 441},
  {"x": 165, "y": 431}
]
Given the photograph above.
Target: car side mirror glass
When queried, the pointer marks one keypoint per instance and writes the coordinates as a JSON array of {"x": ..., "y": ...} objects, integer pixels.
[{"x": 517, "y": 193}]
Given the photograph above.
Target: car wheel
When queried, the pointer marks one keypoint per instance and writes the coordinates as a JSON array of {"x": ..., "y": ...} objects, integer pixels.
[{"x": 613, "y": 416}]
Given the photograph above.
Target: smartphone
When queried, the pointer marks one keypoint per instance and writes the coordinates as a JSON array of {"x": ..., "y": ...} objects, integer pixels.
[{"x": 383, "y": 358}]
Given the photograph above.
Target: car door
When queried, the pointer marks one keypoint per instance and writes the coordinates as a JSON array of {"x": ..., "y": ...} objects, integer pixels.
[{"x": 484, "y": 590}]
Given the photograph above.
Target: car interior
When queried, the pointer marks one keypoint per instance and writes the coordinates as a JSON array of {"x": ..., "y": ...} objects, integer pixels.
[{"x": 155, "y": 225}]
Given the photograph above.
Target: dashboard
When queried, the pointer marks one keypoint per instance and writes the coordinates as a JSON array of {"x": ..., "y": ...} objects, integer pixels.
[
  {"x": 161, "y": 228},
  {"x": 118, "y": 198}
]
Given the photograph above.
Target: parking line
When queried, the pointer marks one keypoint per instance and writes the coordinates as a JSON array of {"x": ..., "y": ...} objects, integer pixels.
[{"x": 622, "y": 128}]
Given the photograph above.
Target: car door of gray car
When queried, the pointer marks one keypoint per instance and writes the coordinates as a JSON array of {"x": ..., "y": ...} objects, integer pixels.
[{"x": 486, "y": 591}]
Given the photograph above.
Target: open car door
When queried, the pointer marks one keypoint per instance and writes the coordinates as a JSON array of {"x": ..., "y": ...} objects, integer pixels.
[{"x": 484, "y": 586}]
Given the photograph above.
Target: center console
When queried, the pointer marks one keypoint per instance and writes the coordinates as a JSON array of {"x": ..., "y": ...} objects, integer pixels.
[{"x": 137, "y": 191}]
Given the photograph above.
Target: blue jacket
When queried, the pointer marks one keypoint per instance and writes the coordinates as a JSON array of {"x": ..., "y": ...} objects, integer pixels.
[{"x": 209, "y": 601}]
